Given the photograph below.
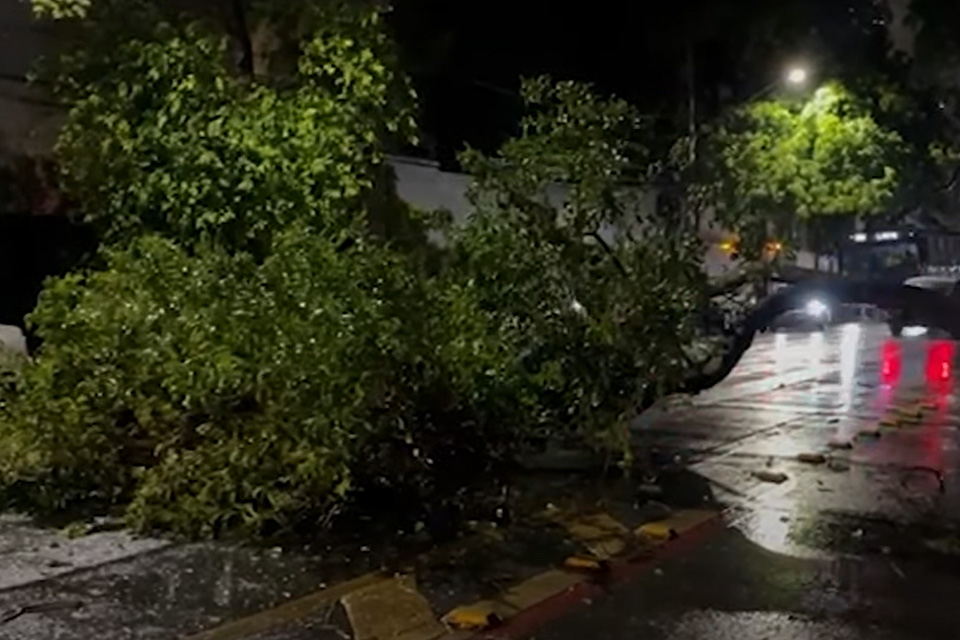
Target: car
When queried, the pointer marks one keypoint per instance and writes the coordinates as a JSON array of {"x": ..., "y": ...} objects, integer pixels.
[
  {"x": 815, "y": 315},
  {"x": 903, "y": 323}
]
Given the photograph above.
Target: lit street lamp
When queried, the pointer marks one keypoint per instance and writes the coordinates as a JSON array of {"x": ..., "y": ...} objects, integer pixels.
[{"x": 796, "y": 76}]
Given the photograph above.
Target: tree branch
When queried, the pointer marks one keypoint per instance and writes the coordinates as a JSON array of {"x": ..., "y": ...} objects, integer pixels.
[
  {"x": 743, "y": 276},
  {"x": 606, "y": 247}
]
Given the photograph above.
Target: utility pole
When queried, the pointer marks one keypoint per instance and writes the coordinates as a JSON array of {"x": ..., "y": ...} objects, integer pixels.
[
  {"x": 692, "y": 102},
  {"x": 692, "y": 120}
]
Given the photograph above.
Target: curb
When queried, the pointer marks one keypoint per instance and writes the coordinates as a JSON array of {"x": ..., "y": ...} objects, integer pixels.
[
  {"x": 378, "y": 605},
  {"x": 580, "y": 595}
]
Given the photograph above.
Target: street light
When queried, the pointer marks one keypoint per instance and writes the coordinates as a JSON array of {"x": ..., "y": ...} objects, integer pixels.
[{"x": 797, "y": 76}]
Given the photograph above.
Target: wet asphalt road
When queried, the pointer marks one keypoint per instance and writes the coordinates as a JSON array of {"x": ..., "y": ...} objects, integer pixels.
[{"x": 860, "y": 547}]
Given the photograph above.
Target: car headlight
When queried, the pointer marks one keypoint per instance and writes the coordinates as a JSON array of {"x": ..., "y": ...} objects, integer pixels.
[{"x": 816, "y": 308}]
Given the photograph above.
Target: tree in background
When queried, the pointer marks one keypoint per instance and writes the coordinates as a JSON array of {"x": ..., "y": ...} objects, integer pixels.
[
  {"x": 777, "y": 164},
  {"x": 937, "y": 41}
]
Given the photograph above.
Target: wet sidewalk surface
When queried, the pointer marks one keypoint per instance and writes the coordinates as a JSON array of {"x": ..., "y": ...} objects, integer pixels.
[{"x": 855, "y": 541}]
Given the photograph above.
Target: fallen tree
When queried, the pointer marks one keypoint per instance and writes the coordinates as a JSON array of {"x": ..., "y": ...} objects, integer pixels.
[{"x": 257, "y": 350}]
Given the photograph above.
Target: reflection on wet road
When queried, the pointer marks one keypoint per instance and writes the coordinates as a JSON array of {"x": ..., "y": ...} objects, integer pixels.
[
  {"x": 857, "y": 540},
  {"x": 826, "y": 393}
]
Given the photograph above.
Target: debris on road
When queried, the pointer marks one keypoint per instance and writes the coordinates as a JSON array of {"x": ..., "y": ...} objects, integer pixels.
[
  {"x": 812, "y": 458},
  {"x": 949, "y": 545},
  {"x": 654, "y": 510},
  {"x": 936, "y": 473},
  {"x": 765, "y": 475},
  {"x": 649, "y": 489},
  {"x": 910, "y": 413},
  {"x": 897, "y": 570}
]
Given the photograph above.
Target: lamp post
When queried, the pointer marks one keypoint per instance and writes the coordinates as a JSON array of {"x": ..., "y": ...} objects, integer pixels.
[{"x": 795, "y": 76}]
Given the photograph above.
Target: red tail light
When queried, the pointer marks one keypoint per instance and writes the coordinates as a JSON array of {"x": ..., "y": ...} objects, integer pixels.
[
  {"x": 890, "y": 362},
  {"x": 940, "y": 357}
]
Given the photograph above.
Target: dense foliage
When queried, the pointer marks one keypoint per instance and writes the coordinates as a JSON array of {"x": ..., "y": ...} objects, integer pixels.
[
  {"x": 170, "y": 140},
  {"x": 220, "y": 393},
  {"x": 778, "y": 163},
  {"x": 598, "y": 303},
  {"x": 265, "y": 337}
]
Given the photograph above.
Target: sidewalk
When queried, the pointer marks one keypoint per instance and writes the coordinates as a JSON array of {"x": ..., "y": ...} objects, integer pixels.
[{"x": 110, "y": 586}]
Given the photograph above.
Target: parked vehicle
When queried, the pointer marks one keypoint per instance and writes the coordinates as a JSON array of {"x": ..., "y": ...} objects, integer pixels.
[
  {"x": 895, "y": 255},
  {"x": 903, "y": 323}
]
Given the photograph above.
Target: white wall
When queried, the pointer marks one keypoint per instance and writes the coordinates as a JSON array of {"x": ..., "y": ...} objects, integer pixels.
[
  {"x": 12, "y": 342},
  {"x": 421, "y": 184}
]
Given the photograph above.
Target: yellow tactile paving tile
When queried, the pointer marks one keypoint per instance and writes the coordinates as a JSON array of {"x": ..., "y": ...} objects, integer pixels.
[
  {"x": 539, "y": 588},
  {"x": 602, "y": 535},
  {"x": 585, "y": 529},
  {"x": 381, "y": 607},
  {"x": 287, "y": 612},
  {"x": 585, "y": 563},
  {"x": 392, "y": 608},
  {"x": 479, "y": 615},
  {"x": 676, "y": 525}
]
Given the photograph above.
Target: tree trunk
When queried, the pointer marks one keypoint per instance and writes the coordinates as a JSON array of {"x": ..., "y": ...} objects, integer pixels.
[{"x": 242, "y": 34}]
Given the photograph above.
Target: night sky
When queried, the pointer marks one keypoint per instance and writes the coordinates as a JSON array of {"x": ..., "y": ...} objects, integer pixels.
[{"x": 466, "y": 58}]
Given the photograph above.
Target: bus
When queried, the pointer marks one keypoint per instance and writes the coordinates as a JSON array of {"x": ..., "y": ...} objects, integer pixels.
[{"x": 895, "y": 255}]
